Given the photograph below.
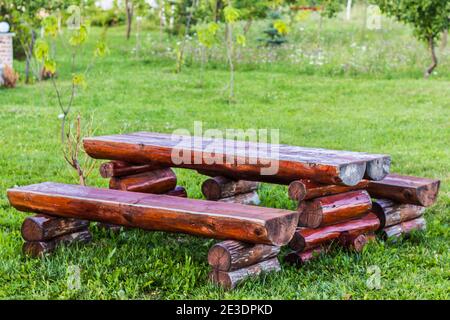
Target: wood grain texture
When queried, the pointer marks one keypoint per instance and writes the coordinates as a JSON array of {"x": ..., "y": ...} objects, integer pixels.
[
  {"x": 229, "y": 280},
  {"x": 406, "y": 189},
  {"x": 221, "y": 187},
  {"x": 334, "y": 209},
  {"x": 158, "y": 212},
  {"x": 121, "y": 168},
  {"x": 404, "y": 228},
  {"x": 39, "y": 248},
  {"x": 233, "y": 255},
  {"x": 244, "y": 161},
  {"x": 302, "y": 257},
  {"x": 353, "y": 242},
  {"x": 157, "y": 181},
  {"x": 251, "y": 199},
  {"x": 390, "y": 213},
  {"x": 307, "y": 189},
  {"x": 305, "y": 238},
  {"x": 42, "y": 227}
]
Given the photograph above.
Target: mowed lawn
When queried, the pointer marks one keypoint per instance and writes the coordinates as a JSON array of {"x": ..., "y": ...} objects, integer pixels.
[{"x": 407, "y": 118}]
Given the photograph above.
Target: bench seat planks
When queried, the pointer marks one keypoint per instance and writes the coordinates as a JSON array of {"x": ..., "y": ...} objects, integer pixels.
[{"x": 158, "y": 212}]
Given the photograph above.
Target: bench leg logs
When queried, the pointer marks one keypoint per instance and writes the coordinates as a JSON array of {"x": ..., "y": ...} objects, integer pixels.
[
  {"x": 225, "y": 190},
  {"x": 42, "y": 233}
]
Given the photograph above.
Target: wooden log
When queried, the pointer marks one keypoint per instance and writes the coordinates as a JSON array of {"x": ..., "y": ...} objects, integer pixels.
[
  {"x": 353, "y": 242},
  {"x": 333, "y": 209},
  {"x": 39, "y": 248},
  {"x": 233, "y": 255},
  {"x": 179, "y": 191},
  {"x": 251, "y": 198},
  {"x": 220, "y": 187},
  {"x": 229, "y": 280},
  {"x": 158, "y": 212},
  {"x": 406, "y": 189},
  {"x": 391, "y": 213},
  {"x": 120, "y": 169},
  {"x": 241, "y": 163},
  {"x": 404, "y": 228},
  {"x": 42, "y": 228},
  {"x": 305, "y": 238},
  {"x": 157, "y": 181},
  {"x": 307, "y": 189},
  {"x": 301, "y": 258}
]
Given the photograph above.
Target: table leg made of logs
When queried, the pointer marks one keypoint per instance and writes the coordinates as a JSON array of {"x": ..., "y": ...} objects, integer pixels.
[{"x": 351, "y": 215}]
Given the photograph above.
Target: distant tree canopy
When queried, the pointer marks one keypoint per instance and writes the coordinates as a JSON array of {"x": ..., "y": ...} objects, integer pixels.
[{"x": 429, "y": 19}]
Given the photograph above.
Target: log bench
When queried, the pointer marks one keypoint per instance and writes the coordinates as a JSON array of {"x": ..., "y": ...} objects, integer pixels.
[{"x": 217, "y": 220}]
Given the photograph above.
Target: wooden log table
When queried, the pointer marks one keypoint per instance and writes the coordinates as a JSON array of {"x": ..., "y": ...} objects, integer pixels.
[{"x": 241, "y": 160}]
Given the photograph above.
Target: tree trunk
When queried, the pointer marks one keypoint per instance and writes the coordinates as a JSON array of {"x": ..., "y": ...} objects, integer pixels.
[
  {"x": 432, "y": 48},
  {"x": 129, "y": 9},
  {"x": 349, "y": 10},
  {"x": 29, "y": 56}
]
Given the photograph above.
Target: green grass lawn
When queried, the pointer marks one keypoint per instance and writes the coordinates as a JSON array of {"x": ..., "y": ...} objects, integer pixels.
[{"x": 397, "y": 113}]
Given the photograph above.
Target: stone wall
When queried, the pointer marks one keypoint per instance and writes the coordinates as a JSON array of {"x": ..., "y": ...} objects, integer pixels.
[{"x": 6, "y": 49}]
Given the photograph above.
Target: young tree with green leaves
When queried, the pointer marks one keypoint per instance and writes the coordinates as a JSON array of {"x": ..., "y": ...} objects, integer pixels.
[
  {"x": 25, "y": 18},
  {"x": 429, "y": 19}
]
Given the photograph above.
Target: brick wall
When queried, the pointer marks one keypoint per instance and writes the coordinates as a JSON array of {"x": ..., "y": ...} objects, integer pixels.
[{"x": 6, "y": 49}]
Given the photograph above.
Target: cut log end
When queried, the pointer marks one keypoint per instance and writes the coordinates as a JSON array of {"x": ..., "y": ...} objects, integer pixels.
[
  {"x": 297, "y": 242},
  {"x": 351, "y": 174},
  {"x": 211, "y": 189},
  {"x": 280, "y": 231},
  {"x": 219, "y": 257},
  {"x": 297, "y": 190},
  {"x": 311, "y": 214},
  {"x": 31, "y": 229},
  {"x": 378, "y": 169}
]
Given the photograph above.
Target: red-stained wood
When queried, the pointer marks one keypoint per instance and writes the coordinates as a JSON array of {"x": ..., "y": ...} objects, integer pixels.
[
  {"x": 158, "y": 212},
  {"x": 306, "y": 238},
  {"x": 301, "y": 258},
  {"x": 353, "y": 242},
  {"x": 229, "y": 280},
  {"x": 39, "y": 248},
  {"x": 243, "y": 161},
  {"x": 334, "y": 209},
  {"x": 406, "y": 189},
  {"x": 391, "y": 213},
  {"x": 251, "y": 199},
  {"x": 233, "y": 255},
  {"x": 121, "y": 168},
  {"x": 42, "y": 227},
  {"x": 179, "y": 191},
  {"x": 157, "y": 181},
  {"x": 307, "y": 189},
  {"x": 221, "y": 187},
  {"x": 404, "y": 228}
]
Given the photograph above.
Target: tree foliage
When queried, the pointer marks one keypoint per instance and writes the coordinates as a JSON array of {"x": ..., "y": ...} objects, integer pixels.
[{"x": 428, "y": 18}]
